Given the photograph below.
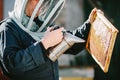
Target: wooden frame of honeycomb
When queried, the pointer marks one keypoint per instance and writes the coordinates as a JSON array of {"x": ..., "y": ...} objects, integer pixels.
[{"x": 101, "y": 41}]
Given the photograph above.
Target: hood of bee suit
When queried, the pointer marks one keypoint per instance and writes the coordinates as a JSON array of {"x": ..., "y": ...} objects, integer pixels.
[{"x": 49, "y": 10}]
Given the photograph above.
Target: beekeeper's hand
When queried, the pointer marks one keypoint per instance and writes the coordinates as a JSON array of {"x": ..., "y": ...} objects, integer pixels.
[{"x": 52, "y": 37}]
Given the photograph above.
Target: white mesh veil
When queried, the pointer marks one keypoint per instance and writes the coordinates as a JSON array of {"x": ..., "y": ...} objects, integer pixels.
[{"x": 50, "y": 9}]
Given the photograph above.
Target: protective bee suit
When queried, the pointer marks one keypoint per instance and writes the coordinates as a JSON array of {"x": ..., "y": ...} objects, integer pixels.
[{"x": 22, "y": 54}]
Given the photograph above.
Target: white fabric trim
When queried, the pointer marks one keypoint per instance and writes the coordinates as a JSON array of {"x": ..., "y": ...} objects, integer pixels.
[{"x": 35, "y": 35}]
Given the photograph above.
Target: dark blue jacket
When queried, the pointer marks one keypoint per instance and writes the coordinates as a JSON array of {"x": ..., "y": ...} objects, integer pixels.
[{"x": 26, "y": 59}]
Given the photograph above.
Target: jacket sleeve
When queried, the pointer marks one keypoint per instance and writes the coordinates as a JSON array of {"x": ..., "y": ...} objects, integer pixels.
[
  {"x": 81, "y": 32},
  {"x": 19, "y": 59}
]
